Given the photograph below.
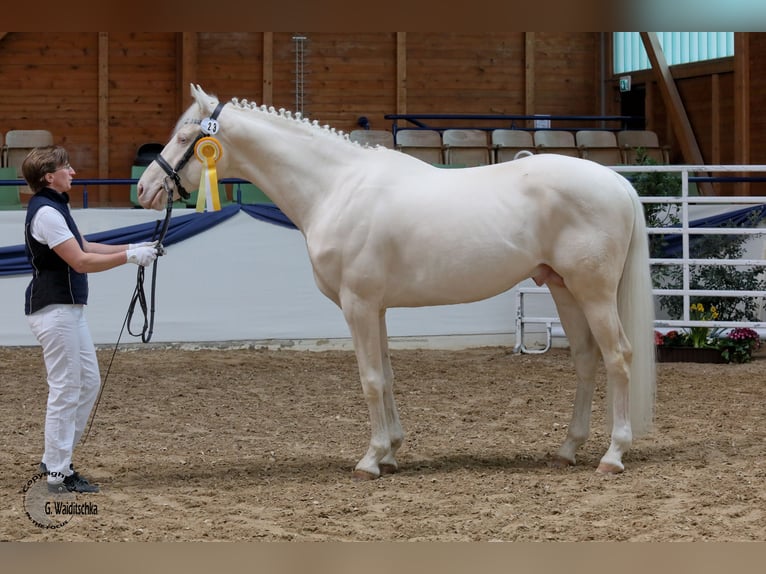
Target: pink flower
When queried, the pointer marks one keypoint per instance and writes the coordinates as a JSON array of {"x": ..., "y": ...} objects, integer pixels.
[{"x": 745, "y": 334}]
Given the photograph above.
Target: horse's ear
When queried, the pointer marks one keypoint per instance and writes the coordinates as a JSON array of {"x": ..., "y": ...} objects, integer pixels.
[
  {"x": 205, "y": 102},
  {"x": 196, "y": 91}
]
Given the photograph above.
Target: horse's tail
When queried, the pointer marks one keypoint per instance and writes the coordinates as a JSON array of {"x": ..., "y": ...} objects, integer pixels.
[{"x": 636, "y": 308}]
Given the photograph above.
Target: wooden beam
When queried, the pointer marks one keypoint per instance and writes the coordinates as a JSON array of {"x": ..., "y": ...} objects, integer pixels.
[
  {"x": 529, "y": 74},
  {"x": 267, "y": 95},
  {"x": 187, "y": 68},
  {"x": 401, "y": 72},
  {"x": 649, "y": 107},
  {"x": 672, "y": 99},
  {"x": 715, "y": 111},
  {"x": 742, "y": 105},
  {"x": 103, "y": 112},
  {"x": 715, "y": 131}
]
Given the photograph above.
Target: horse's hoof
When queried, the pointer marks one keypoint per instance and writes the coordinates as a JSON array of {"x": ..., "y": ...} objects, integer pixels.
[
  {"x": 388, "y": 469},
  {"x": 362, "y": 475},
  {"x": 609, "y": 468},
  {"x": 561, "y": 462}
]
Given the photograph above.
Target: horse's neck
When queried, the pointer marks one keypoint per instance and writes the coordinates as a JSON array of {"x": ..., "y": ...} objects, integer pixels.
[{"x": 294, "y": 163}]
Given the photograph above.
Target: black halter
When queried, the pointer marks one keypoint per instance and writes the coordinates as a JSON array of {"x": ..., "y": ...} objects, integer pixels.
[{"x": 208, "y": 126}]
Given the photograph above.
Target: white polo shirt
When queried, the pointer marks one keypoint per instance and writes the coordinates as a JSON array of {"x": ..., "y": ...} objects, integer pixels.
[{"x": 49, "y": 227}]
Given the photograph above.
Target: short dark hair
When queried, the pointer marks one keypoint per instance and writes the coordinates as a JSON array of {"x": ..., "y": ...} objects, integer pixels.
[{"x": 41, "y": 161}]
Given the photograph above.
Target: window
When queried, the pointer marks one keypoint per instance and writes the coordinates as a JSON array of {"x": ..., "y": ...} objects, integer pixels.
[{"x": 678, "y": 47}]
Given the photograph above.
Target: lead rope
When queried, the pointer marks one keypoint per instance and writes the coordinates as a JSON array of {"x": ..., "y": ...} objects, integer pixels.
[
  {"x": 208, "y": 126},
  {"x": 140, "y": 297},
  {"x": 138, "y": 294}
]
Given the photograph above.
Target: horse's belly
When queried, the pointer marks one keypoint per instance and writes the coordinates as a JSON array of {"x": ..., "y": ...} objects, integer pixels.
[{"x": 471, "y": 283}]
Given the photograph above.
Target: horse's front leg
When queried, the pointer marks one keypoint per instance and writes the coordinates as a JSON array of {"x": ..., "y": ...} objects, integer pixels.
[{"x": 364, "y": 322}]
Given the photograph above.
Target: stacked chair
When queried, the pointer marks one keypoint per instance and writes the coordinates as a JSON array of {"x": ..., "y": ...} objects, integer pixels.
[
  {"x": 512, "y": 144},
  {"x": 18, "y": 143},
  {"x": 630, "y": 141},
  {"x": 422, "y": 144},
  {"x": 373, "y": 138},
  {"x": 466, "y": 147},
  {"x": 599, "y": 146},
  {"x": 556, "y": 141}
]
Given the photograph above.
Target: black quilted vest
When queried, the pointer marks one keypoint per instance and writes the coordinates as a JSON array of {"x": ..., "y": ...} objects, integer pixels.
[{"x": 53, "y": 280}]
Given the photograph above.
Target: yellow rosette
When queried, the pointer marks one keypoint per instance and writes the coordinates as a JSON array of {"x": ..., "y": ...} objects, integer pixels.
[{"x": 208, "y": 151}]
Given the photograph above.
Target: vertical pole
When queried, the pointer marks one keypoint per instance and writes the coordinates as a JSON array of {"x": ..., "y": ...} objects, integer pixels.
[
  {"x": 300, "y": 85},
  {"x": 268, "y": 68},
  {"x": 187, "y": 69},
  {"x": 529, "y": 75},
  {"x": 401, "y": 72},
  {"x": 742, "y": 105},
  {"x": 103, "y": 116}
]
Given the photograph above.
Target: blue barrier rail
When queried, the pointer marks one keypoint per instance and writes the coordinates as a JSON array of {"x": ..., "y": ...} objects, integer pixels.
[{"x": 124, "y": 181}]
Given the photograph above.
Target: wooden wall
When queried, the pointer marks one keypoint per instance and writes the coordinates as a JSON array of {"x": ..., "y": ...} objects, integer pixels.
[
  {"x": 707, "y": 91},
  {"x": 104, "y": 94}
]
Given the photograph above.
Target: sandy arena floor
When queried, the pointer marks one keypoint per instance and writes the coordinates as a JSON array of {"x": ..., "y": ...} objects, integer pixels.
[{"x": 260, "y": 444}]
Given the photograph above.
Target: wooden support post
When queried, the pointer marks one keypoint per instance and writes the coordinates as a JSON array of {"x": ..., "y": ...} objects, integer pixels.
[
  {"x": 680, "y": 121},
  {"x": 187, "y": 68},
  {"x": 103, "y": 115},
  {"x": 742, "y": 105},
  {"x": 529, "y": 75},
  {"x": 267, "y": 96},
  {"x": 715, "y": 135},
  {"x": 401, "y": 72}
]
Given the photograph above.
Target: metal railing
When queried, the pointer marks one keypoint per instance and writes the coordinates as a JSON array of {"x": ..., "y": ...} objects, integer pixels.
[
  {"x": 511, "y": 121},
  {"x": 685, "y": 261}
]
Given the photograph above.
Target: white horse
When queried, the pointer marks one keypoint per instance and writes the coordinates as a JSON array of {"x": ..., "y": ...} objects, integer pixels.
[{"x": 384, "y": 229}]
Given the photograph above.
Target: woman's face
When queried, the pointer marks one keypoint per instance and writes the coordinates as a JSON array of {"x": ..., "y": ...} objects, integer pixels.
[{"x": 61, "y": 179}]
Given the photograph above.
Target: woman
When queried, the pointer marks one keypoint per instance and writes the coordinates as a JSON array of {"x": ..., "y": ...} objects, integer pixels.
[{"x": 54, "y": 304}]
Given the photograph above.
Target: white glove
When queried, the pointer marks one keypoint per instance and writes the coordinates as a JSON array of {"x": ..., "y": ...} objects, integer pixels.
[
  {"x": 143, "y": 255},
  {"x": 144, "y": 244}
]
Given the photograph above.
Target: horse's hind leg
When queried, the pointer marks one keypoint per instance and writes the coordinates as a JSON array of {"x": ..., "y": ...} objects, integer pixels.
[
  {"x": 586, "y": 356},
  {"x": 616, "y": 350},
  {"x": 388, "y": 464}
]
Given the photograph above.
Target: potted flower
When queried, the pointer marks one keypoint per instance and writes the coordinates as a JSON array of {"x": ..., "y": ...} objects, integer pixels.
[
  {"x": 704, "y": 344},
  {"x": 738, "y": 345},
  {"x": 695, "y": 344}
]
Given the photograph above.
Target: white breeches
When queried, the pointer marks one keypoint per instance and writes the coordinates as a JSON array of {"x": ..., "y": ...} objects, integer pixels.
[{"x": 73, "y": 381}]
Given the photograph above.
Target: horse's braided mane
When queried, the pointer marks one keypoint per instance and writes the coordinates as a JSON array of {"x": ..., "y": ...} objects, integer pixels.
[{"x": 244, "y": 104}]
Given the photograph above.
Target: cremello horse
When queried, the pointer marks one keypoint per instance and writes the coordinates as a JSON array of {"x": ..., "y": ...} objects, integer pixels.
[{"x": 384, "y": 229}]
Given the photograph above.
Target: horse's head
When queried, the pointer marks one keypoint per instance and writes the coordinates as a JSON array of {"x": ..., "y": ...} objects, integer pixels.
[{"x": 176, "y": 167}]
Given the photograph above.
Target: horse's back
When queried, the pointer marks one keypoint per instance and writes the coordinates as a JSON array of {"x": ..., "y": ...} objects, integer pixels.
[
  {"x": 401, "y": 178},
  {"x": 533, "y": 194},
  {"x": 454, "y": 235}
]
